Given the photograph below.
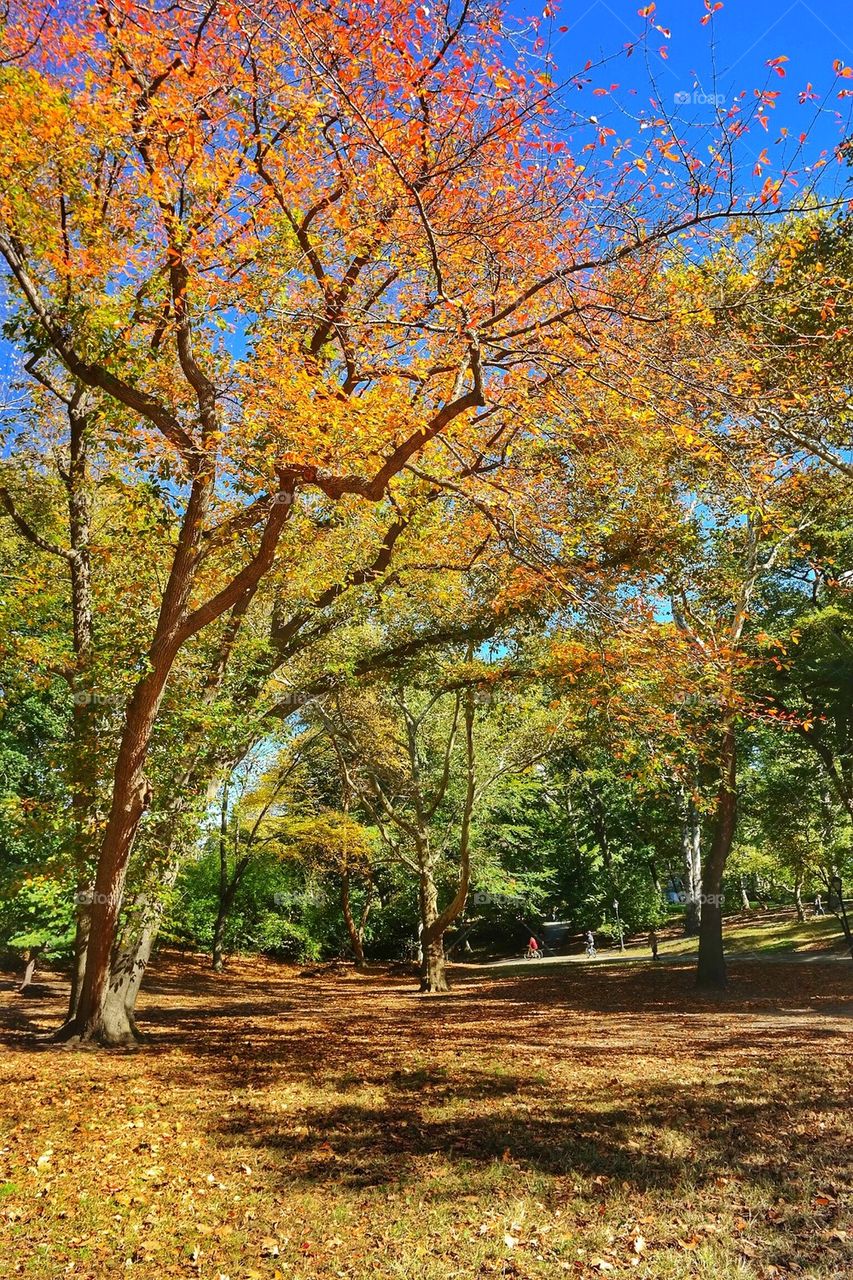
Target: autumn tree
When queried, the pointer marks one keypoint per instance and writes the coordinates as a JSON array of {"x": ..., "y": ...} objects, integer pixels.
[
  {"x": 807, "y": 693},
  {"x": 713, "y": 609},
  {"x": 336, "y": 849},
  {"x": 784, "y": 294},
  {"x": 293, "y": 249},
  {"x": 791, "y": 830}
]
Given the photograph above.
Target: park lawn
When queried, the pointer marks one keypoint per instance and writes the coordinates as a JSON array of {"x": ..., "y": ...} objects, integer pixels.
[
  {"x": 766, "y": 932},
  {"x": 580, "y": 1122}
]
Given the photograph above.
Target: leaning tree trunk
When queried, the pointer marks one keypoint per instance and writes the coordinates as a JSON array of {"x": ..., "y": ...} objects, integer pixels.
[
  {"x": 131, "y": 792},
  {"x": 711, "y": 970},
  {"x": 218, "y": 950},
  {"x": 131, "y": 797},
  {"x": 140, "y": 928},
  {"x": 139, "y": 933},
  {"x": 691, "y": 848},
  {"x": 130, "y": 961},
  {"x": 30, "y": 962},
  {"x": 133, "y": 952},
  {"x": 82, "y": 806},
  {"x": 355, "y": 931}
]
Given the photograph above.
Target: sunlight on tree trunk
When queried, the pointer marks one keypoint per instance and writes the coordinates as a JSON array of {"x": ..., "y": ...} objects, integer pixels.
[
  {"x": 691, "y": 850},
  {"x": 711, "y": 970}
]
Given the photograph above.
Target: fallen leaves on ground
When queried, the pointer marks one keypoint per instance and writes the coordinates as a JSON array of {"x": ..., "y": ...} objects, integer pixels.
[{"x": 519, "y": 1127}]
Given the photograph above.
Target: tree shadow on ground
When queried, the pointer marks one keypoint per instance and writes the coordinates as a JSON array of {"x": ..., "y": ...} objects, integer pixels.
[
  {"x": 664, "y": 1138},
  {"x": 594, "y": 1085},
  {"x": 661, "y": 1138}
]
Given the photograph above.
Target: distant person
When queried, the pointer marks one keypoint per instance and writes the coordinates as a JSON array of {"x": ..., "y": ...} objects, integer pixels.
[
  {"x": 533, "y": 952},
  {"x": 590, "y": 943},
  {"x": 653, "y": 943},
  {"x": 818, "y": 906}
]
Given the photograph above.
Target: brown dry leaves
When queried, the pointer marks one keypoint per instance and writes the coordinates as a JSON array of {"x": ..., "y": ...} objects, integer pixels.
[{"x": 564, "y": 1123}]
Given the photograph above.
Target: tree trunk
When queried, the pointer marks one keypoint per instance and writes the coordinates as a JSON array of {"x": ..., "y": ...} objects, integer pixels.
[
  {"x": 434, "y": 974},
  {"x": 798, "y": 899},
  {"x": 131, "y": 792},
  {"x": 29, "y": 971},
  {"x": 131, "y": 797},
  {"x": 691, "y": 848},
  {"x": 223, "y": 904},
  {"x": 81, "y": 942},
  {"x": 139, "y": 933},
  {"x": 711, "y": 970},
  {"x": 126, "y": 973},
  {"x": 744, "y": 896},
  {"x": 218, "y": 939},
  {"x": 356, "y": 934},
  {"x": 133, "y": 952},
  {"x": 433, "y": 965},
  {"x": 226, "y": 902}
]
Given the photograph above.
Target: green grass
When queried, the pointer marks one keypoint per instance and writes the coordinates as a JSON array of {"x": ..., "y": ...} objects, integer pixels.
[{"x": 767, "y": 933}]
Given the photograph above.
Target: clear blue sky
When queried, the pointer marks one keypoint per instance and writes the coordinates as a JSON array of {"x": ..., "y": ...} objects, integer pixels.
[{"x": 726, "y": 55}]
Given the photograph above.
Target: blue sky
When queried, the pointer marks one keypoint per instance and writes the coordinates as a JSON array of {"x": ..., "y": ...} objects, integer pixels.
[{"x": 726, "y": 55}]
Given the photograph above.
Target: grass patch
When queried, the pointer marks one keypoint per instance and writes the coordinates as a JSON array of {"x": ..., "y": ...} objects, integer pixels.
[{"x": 767, "y": 933}]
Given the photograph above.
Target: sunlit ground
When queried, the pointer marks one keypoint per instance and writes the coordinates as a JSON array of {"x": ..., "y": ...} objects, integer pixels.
[{"x": 577, "y": 1121}]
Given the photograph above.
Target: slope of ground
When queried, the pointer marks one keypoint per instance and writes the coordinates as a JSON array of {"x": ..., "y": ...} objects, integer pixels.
[{"x": 767, "y": 931}]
